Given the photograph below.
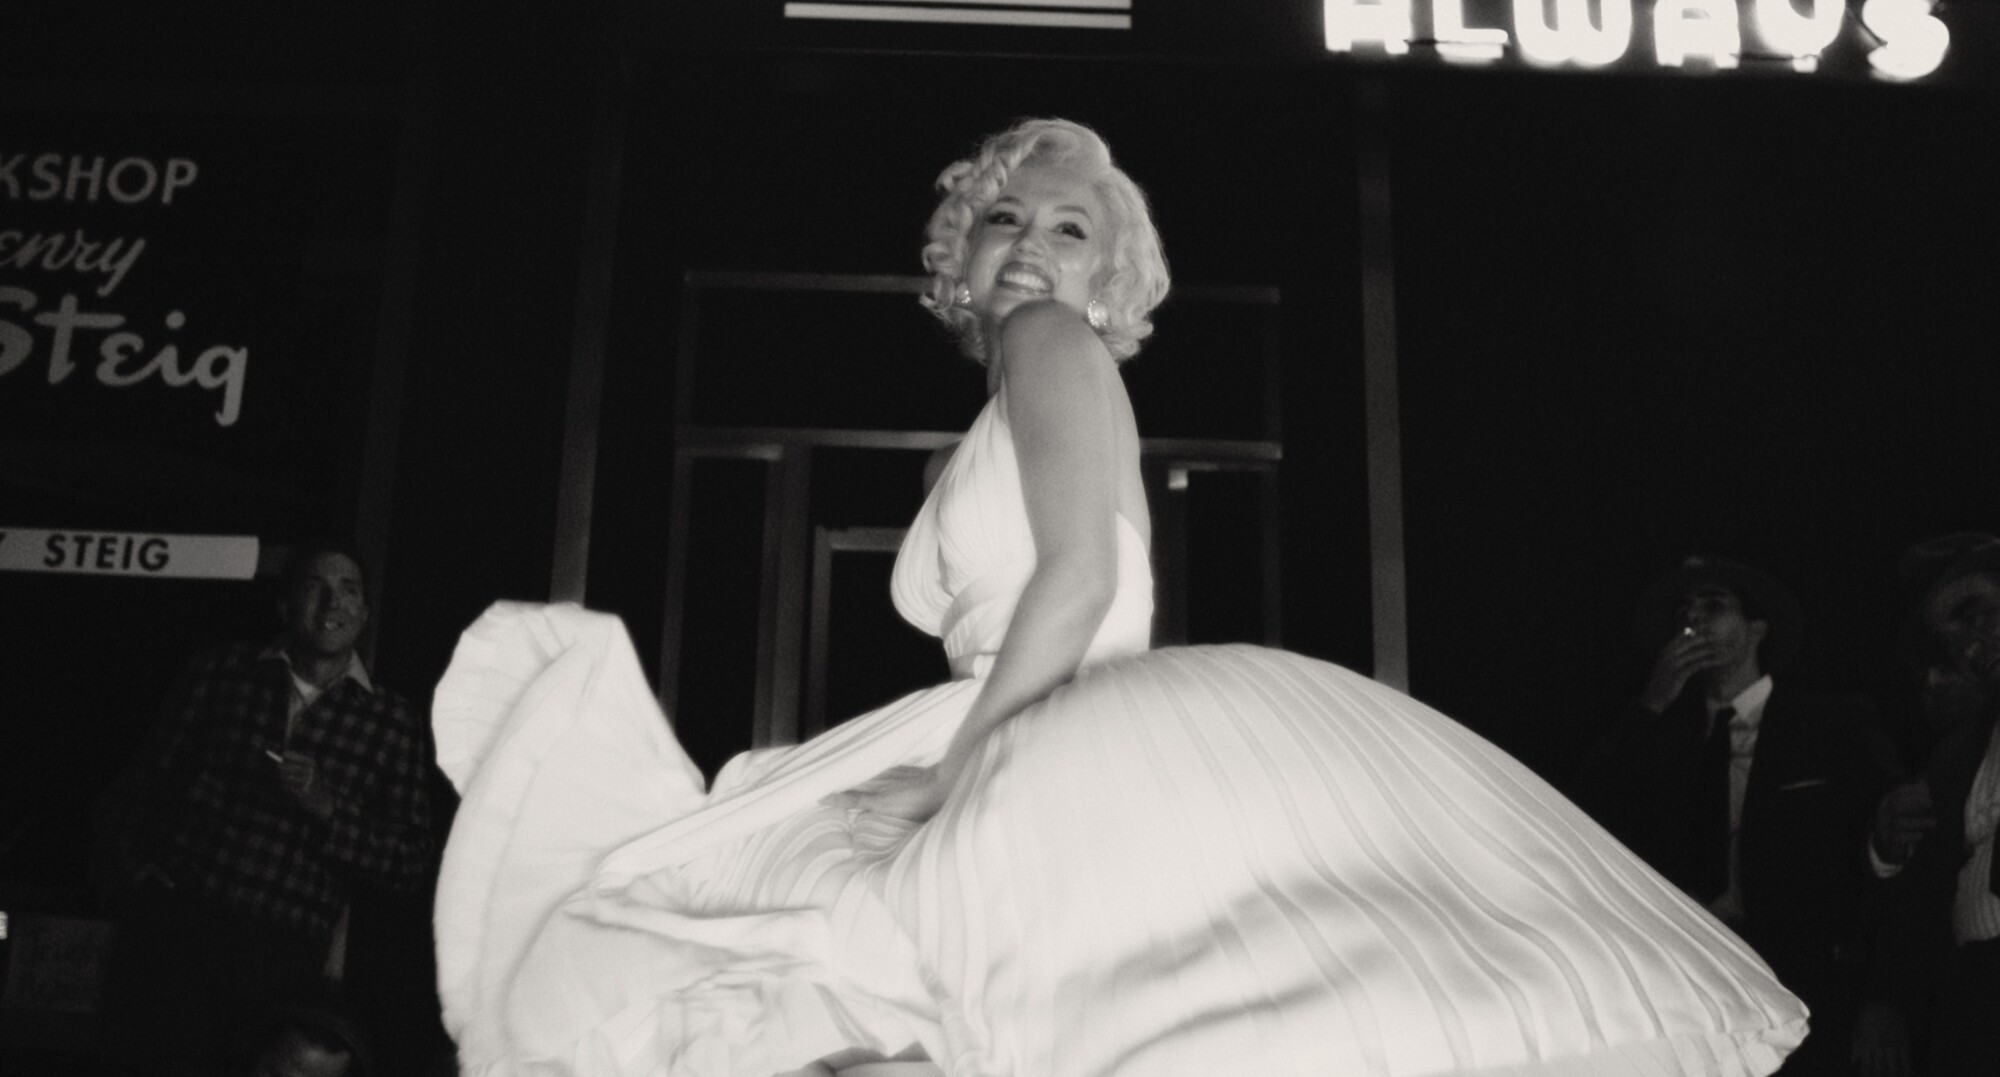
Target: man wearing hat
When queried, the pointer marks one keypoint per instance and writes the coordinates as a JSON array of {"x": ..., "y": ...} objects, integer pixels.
[
  {"x": 1940, "y": 951},
  {"x": 1753, "y": 795}
]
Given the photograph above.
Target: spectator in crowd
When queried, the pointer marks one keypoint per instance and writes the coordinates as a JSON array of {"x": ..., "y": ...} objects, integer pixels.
[
  {"x": 1751, "y": 794},
  {"x": 277, "y": 777},
  {"x": 1939, "y": 955}
]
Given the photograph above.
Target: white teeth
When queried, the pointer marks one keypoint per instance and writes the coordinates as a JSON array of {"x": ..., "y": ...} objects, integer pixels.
[{"x": 1025, "y": 278}]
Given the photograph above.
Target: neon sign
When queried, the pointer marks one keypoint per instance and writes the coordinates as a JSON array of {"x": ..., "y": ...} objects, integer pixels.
[{"x": 1903, "y": 38}]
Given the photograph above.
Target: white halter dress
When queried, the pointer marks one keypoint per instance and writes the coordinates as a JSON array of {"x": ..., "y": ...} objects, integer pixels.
[{"x": 1186, "y": 862}]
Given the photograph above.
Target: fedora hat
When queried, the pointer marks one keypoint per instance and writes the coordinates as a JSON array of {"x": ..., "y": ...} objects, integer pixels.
[
  {"x": 1922, "y": 570},
  {"x": 1763, "y": 598}
]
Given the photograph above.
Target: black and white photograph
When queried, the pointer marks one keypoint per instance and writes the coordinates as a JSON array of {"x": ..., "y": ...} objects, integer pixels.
[{"x": 1000, "y": 538}]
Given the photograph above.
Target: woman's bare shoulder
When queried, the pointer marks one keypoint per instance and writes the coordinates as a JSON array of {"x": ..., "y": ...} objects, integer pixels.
[
  {"x": 1049, "y": 335},
  {"x": 1052, "y": 363}
]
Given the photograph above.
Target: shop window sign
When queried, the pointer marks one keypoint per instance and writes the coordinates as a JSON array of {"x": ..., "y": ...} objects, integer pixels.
[
  {"x": 53, "y": 329},
  {"x": 118, "y": 553}
]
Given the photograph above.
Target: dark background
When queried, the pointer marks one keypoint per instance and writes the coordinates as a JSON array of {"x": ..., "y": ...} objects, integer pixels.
[{"x": 1640, "y": 315}]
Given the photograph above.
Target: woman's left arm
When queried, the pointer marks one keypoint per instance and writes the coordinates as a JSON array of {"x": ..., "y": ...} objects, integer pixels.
[{"x": 1061, "y": 387}]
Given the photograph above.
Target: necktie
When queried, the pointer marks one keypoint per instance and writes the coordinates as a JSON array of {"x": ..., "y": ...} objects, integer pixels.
[{"x": 1713, "y": 854}]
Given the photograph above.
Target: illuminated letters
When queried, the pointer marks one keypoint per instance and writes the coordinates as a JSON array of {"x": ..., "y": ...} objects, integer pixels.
[
  {"x": 1456, "y": 41},
  {"x": 1914, "y": 41},
  {"x": 1595, "y": 33},
  {"x": 1387, "y": 22},
  {"x": 1799, "y": 36},
  {"x": 1573, "y": 37},
  {"x": 1683, "y": 28}
]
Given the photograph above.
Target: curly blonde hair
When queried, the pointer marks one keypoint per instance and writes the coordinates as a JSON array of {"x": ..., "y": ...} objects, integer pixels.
[{"x": 1135, "y": 279}]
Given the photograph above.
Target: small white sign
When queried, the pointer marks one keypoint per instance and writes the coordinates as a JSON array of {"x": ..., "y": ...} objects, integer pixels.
[
  {"x": 1098, "y": 14},
  {"x": 124, "y": 553}
]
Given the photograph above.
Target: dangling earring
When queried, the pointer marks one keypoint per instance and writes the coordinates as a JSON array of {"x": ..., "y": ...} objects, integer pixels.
[
  {"x": 962, "y": 295},
  {"x": 1096, "y": 315}
]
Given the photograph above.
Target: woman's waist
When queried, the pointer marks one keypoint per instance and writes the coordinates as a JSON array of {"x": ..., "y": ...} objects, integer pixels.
[
  {"x": 977, "y": 626},
  {"x": 979, "y": 663}
]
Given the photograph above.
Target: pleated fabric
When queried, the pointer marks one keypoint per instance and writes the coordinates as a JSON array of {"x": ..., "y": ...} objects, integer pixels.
[
  {"x": 577, "y": 934},
  {"x": 541, "y": 709},
  {"x": 1185, "y": 862},
  {"x": 969, "y": 553},
  {"x": 1238, "y": 860}
]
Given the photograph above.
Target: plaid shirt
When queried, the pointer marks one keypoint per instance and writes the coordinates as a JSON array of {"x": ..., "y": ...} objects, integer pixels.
[{"x": 211, "y": 813}]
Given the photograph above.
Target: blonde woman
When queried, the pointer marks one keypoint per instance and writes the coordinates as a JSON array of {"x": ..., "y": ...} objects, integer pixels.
[{"x": 1081, "y": 856}]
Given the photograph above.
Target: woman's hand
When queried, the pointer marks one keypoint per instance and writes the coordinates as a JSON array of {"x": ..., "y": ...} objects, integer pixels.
[{"x": 913, "y": 793}]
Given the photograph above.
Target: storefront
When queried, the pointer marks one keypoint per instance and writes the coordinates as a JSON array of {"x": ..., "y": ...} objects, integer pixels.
[{"x": 1487, "y": 313}]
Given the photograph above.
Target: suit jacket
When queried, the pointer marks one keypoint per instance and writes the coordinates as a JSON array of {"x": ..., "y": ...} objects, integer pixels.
[
  {"x": 1915, "y": 932},
  {"x": 1820, "y": 764}
]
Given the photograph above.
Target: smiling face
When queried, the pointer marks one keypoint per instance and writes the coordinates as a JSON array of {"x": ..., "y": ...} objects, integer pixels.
[
  {"x": 1041, "y": 238},
  {"x": 325, "y": 607}
]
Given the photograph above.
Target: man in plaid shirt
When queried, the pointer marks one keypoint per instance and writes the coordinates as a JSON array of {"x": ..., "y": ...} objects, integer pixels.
[{"x": 277, "y": 777}]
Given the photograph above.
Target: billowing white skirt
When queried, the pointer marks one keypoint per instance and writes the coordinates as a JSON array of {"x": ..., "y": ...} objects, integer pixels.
[{"x": 1192, "y": 861}]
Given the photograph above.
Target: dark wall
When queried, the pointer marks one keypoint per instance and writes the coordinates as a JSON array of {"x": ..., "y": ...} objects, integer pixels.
[
  {"x": 494, "y": 299},
  {"x": 1748, "y": 318}
]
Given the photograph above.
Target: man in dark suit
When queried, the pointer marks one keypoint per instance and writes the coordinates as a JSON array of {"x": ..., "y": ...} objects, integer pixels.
[
  {"x": 1752, "y": 795},
  {"x": 1939, "y": 955}
]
